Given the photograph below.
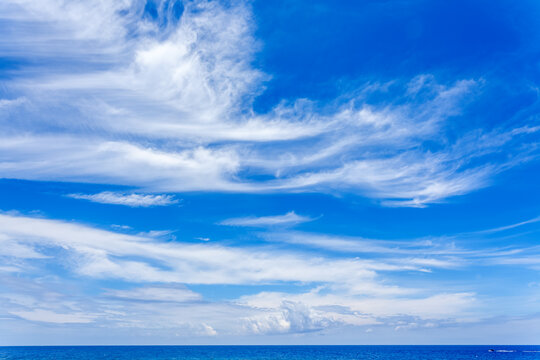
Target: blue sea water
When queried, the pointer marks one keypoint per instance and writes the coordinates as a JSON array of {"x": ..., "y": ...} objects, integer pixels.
[{"x": 270, "y": 352}]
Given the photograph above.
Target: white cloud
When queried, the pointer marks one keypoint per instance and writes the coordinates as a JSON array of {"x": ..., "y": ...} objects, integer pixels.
[
  {"x": 357, "y": 244},
  {"x": 289, "y": 317},
  {"x": 290, "y": 218},
  {"x": 134, "y": 200},
  {"x": 423, "y": 254},
  {"x": 208, "y": 330},
  {"x": 121, "y": 227},
  {"x": 354, "y": 292},
  {"x": 48, "y": 316},
  {"x": 141, "y": 258},
  {"x": 8, "y": 103},
  {"x": 162, "y": 294},
  {"x": 366, "y": 310},
  {"x": 345, "y": 290},
  {"x": 10, "y": 269},
  {"x": 69, "y": 159},
  {"x": 168, "y": 107},
  {"x": 508, "y": 227},
  {"x": 100, "y": 253},
  {"x": 120, "y": 99},
  {"x": 13, "y": 248}
]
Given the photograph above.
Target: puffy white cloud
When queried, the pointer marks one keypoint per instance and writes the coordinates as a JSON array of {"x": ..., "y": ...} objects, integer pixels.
[
  {"x": 289, "y": 317},
  {"x": 347, "y": 308}
]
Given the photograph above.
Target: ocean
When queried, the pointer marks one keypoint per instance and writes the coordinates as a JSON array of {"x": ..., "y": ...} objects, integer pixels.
[{"x": 270, "y": 352}]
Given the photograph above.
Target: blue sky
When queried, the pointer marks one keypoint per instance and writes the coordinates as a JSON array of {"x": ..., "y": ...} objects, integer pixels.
[{"x": 307, "y": 172}]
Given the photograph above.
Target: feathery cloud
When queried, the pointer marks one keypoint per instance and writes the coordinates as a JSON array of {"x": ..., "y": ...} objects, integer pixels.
[
  {"x": 290, "y": 218},
  {"x": 133, "y": 200},
  {"x": 164, "y": 104}
]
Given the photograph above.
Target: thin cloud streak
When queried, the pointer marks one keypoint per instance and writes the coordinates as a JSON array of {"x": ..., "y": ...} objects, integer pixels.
[
  {"x": 133, "y": 200},
  {"x": 345, "y": 291},
  {"x": 507, "y": 227},
  {"x": 354, "y": 293},
  {"x": 290, "y": 218},
  {"x": 98, "y": 253}
]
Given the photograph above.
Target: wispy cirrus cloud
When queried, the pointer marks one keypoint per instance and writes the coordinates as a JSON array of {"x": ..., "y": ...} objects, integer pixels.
[
  {"x": 349, "y": 309},
  {"x": 159, "y": 294},
  {"x": 350, "y": 289},
  {"x": 163, "y": 97},
  {"x": 445, "y": 252},
  {"x": 108, "y": 254},
  {"x": 159, "y": 267},
  {"x": 508, "y": 227},
  {"x": 288, "y": 219},
  {"x": 133, "y": 200},
  {"x": 164, "y": 103},
  {"x": 47, "y": 316}
]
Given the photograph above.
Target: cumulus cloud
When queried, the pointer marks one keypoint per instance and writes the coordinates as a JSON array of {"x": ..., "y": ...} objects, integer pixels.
[
  {"x": 290, "y": 317},
  {"x": 133, "y": 200},
  {"x": 347, "y": 308}
]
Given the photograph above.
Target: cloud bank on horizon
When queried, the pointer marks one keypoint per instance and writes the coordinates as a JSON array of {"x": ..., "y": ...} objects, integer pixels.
[{"x": 308, "y": 151}]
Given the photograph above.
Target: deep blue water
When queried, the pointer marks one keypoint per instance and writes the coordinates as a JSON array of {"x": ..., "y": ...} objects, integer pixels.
[{"x": 271, "y": 352}]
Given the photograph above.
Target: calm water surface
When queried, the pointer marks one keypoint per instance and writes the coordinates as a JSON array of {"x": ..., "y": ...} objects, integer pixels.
[{"x": 271, "y": 352}]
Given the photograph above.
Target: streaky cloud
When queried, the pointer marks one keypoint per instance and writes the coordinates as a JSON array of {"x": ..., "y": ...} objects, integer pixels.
[
  {"x": 133, "y": 200},
  {"x": 47, "y": 316},
  {"x": 508, "y": 227},
  {"x": 157, "y": 294},
  {"x": 166, "y": 105},
  {"x": 290, "y": 218}
]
